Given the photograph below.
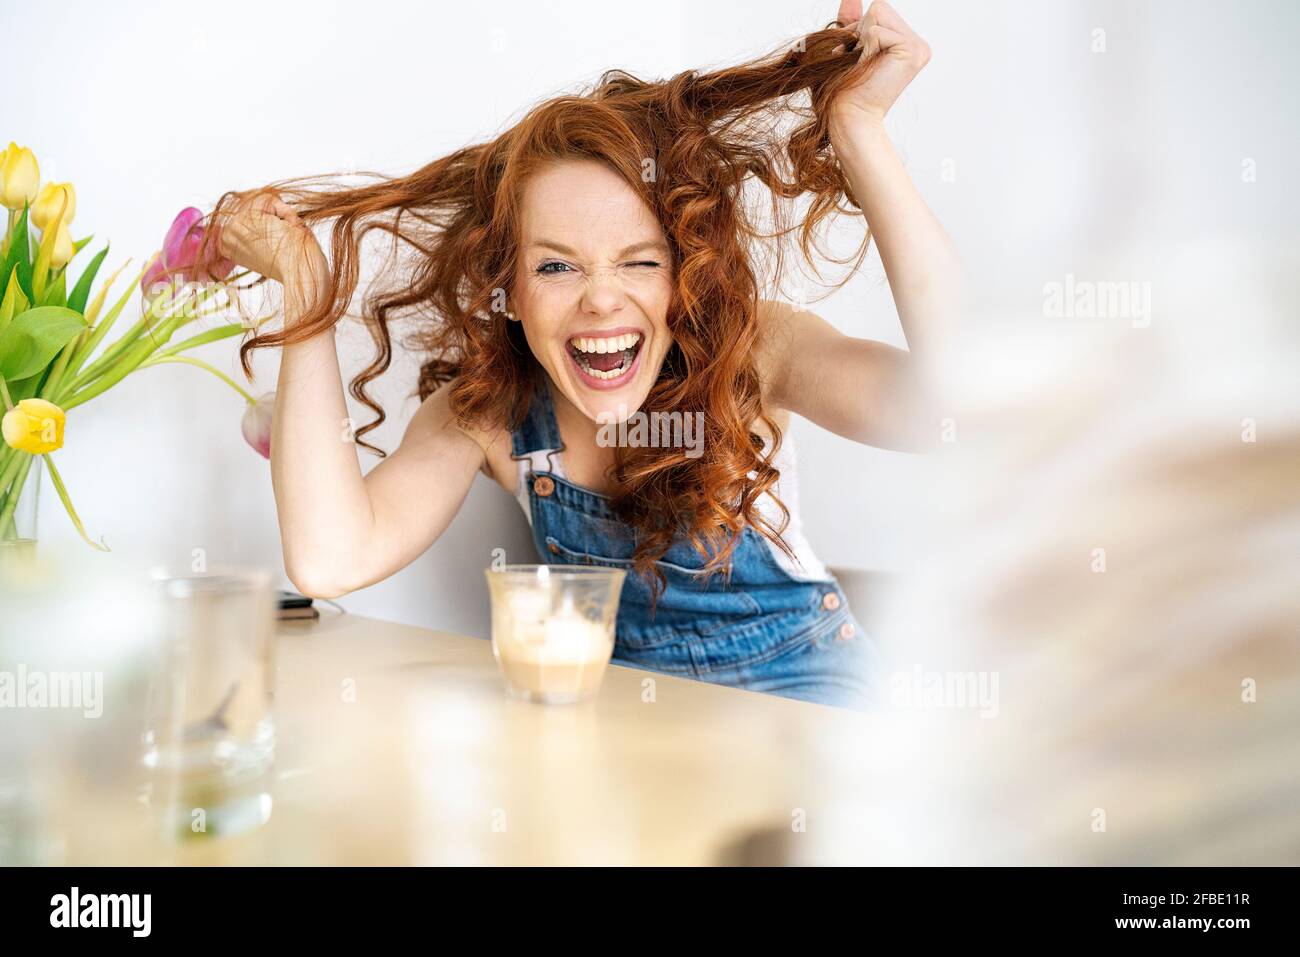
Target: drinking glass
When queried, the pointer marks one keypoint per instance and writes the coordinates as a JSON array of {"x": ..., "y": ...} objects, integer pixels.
[
  {"x": 211, "y": 743},
  {"x": 553, "y": 628}
]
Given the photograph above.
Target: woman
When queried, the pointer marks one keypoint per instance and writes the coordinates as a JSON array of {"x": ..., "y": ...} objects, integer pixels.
[{"x": 593, "y": 264}]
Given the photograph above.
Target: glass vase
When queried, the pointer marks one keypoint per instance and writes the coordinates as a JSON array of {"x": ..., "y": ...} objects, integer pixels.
[{"x": 20, "y": 486}]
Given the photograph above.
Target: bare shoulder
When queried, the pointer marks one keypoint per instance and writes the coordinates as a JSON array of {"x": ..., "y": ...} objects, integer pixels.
[
  {"x": 862, "y": 389},
  {"x": 436, "y": 419}
]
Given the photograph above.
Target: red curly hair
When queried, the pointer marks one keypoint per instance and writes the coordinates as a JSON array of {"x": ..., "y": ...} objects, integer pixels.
[{"x": 688, "y": 146}]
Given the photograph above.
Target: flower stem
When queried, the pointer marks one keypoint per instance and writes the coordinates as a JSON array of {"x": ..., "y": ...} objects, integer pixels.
[
  {"x": 203, "y": 338},
  {"x": 75, "y": 394},
  {"x": 150, "y": 322},
  {"x": 188, "y": 360},
  {"x": 52, "y": 381},
  {"x": 13, "y": 485},
  {"x": 97, "y": 329},
  {"x": 11, "y": 460}
]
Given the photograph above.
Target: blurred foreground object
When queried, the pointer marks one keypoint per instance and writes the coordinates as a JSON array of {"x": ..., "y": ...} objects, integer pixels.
[
  {"x": 134, "y": 710},
  {"x": 77, "y": 648},
  {"x": 1098, "y": 662}
]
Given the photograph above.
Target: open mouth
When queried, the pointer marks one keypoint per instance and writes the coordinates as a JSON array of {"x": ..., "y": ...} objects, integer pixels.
[{"x": 608, "y": 361}]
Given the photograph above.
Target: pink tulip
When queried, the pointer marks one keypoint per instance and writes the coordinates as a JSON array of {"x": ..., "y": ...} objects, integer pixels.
[
  {"x": 180, "y": 253},
  {"x": 257, "y": 424}
]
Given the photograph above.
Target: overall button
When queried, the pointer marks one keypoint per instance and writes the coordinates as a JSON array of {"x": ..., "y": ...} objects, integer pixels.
[
  {"x": 830, "y": 601},
  {"x": 846, "y": 631},
  {"x": 543, "y": 485},
  {"x": 555, "y": 549}
]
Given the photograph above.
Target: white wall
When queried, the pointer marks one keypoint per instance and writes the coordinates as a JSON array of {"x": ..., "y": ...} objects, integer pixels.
[{"x": 1059, "y": 159}]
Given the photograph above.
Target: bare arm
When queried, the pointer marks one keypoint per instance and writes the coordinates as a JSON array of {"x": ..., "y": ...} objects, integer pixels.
[
  {"x": 864, "y": 390},
  {"x": 861, "y": 389},
  {"x": 926, "y": 276},
  {"x": 341, "y": 530}
]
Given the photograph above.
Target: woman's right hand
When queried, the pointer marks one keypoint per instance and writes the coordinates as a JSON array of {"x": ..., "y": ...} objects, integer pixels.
[{"x": 265, "y": 234}]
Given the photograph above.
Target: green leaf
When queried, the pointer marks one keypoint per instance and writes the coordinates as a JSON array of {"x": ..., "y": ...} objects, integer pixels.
[
  {"x": 55, "y": 292},
  {"x": 81, "y": 291},
  {"x": 13, "y": 301},
  {"x": 57, "y": 274},
  {"x": 20, "y": 255},
  {"x": 20, "y": 389},
  {"x": 62, "y": 489},
  {"x": 80, "y": 244},
  {"x": 203, "y": 338},
  {"x": 34, "y": 338}
]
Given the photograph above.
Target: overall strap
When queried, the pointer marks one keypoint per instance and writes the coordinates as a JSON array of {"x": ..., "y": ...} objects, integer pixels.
[{"x": 539, "y": 431}]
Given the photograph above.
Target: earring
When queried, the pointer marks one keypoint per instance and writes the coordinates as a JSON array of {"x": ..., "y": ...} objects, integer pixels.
[{"x": 509, "y": 314}]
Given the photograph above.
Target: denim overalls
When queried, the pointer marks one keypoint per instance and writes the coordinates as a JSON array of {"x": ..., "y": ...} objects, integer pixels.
[{"x": 763, "y": 629}]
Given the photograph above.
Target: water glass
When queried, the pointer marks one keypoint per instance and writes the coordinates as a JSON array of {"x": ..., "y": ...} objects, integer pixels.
[{"x": 211, "y": 743}]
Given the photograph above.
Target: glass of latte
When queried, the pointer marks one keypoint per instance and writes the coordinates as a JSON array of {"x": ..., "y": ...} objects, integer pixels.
[{"x": 553, "y": 628}]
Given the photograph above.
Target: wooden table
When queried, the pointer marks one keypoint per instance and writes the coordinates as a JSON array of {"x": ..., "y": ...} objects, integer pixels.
[{"x": 399, "y": 745}]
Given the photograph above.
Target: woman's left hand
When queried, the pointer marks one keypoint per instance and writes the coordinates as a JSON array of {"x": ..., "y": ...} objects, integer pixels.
[{"x": 892, "y": 53}]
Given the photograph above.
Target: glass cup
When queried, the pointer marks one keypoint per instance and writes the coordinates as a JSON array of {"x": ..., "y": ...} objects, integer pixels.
[
  {"x": 211, "y": 740},
  {"x": 553, "y": 628}
]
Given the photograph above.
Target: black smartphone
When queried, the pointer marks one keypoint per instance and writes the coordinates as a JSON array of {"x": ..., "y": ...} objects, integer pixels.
[{"x": 291, "y": 599}]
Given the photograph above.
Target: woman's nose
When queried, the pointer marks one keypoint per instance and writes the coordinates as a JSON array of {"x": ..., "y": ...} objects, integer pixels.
[{"x": 604, "y": 290}]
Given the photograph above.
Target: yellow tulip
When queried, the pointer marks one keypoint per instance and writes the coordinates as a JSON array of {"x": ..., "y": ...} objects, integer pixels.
[
  {"x": 47, "y": 203},
  {"x": 19, "y": 176},
  {"x": 63, "y": 247},
  {"x": 35, "y": 426}
]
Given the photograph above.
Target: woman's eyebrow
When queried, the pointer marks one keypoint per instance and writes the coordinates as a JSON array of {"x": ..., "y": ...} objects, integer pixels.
[{"x": 561, "y": 248}]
